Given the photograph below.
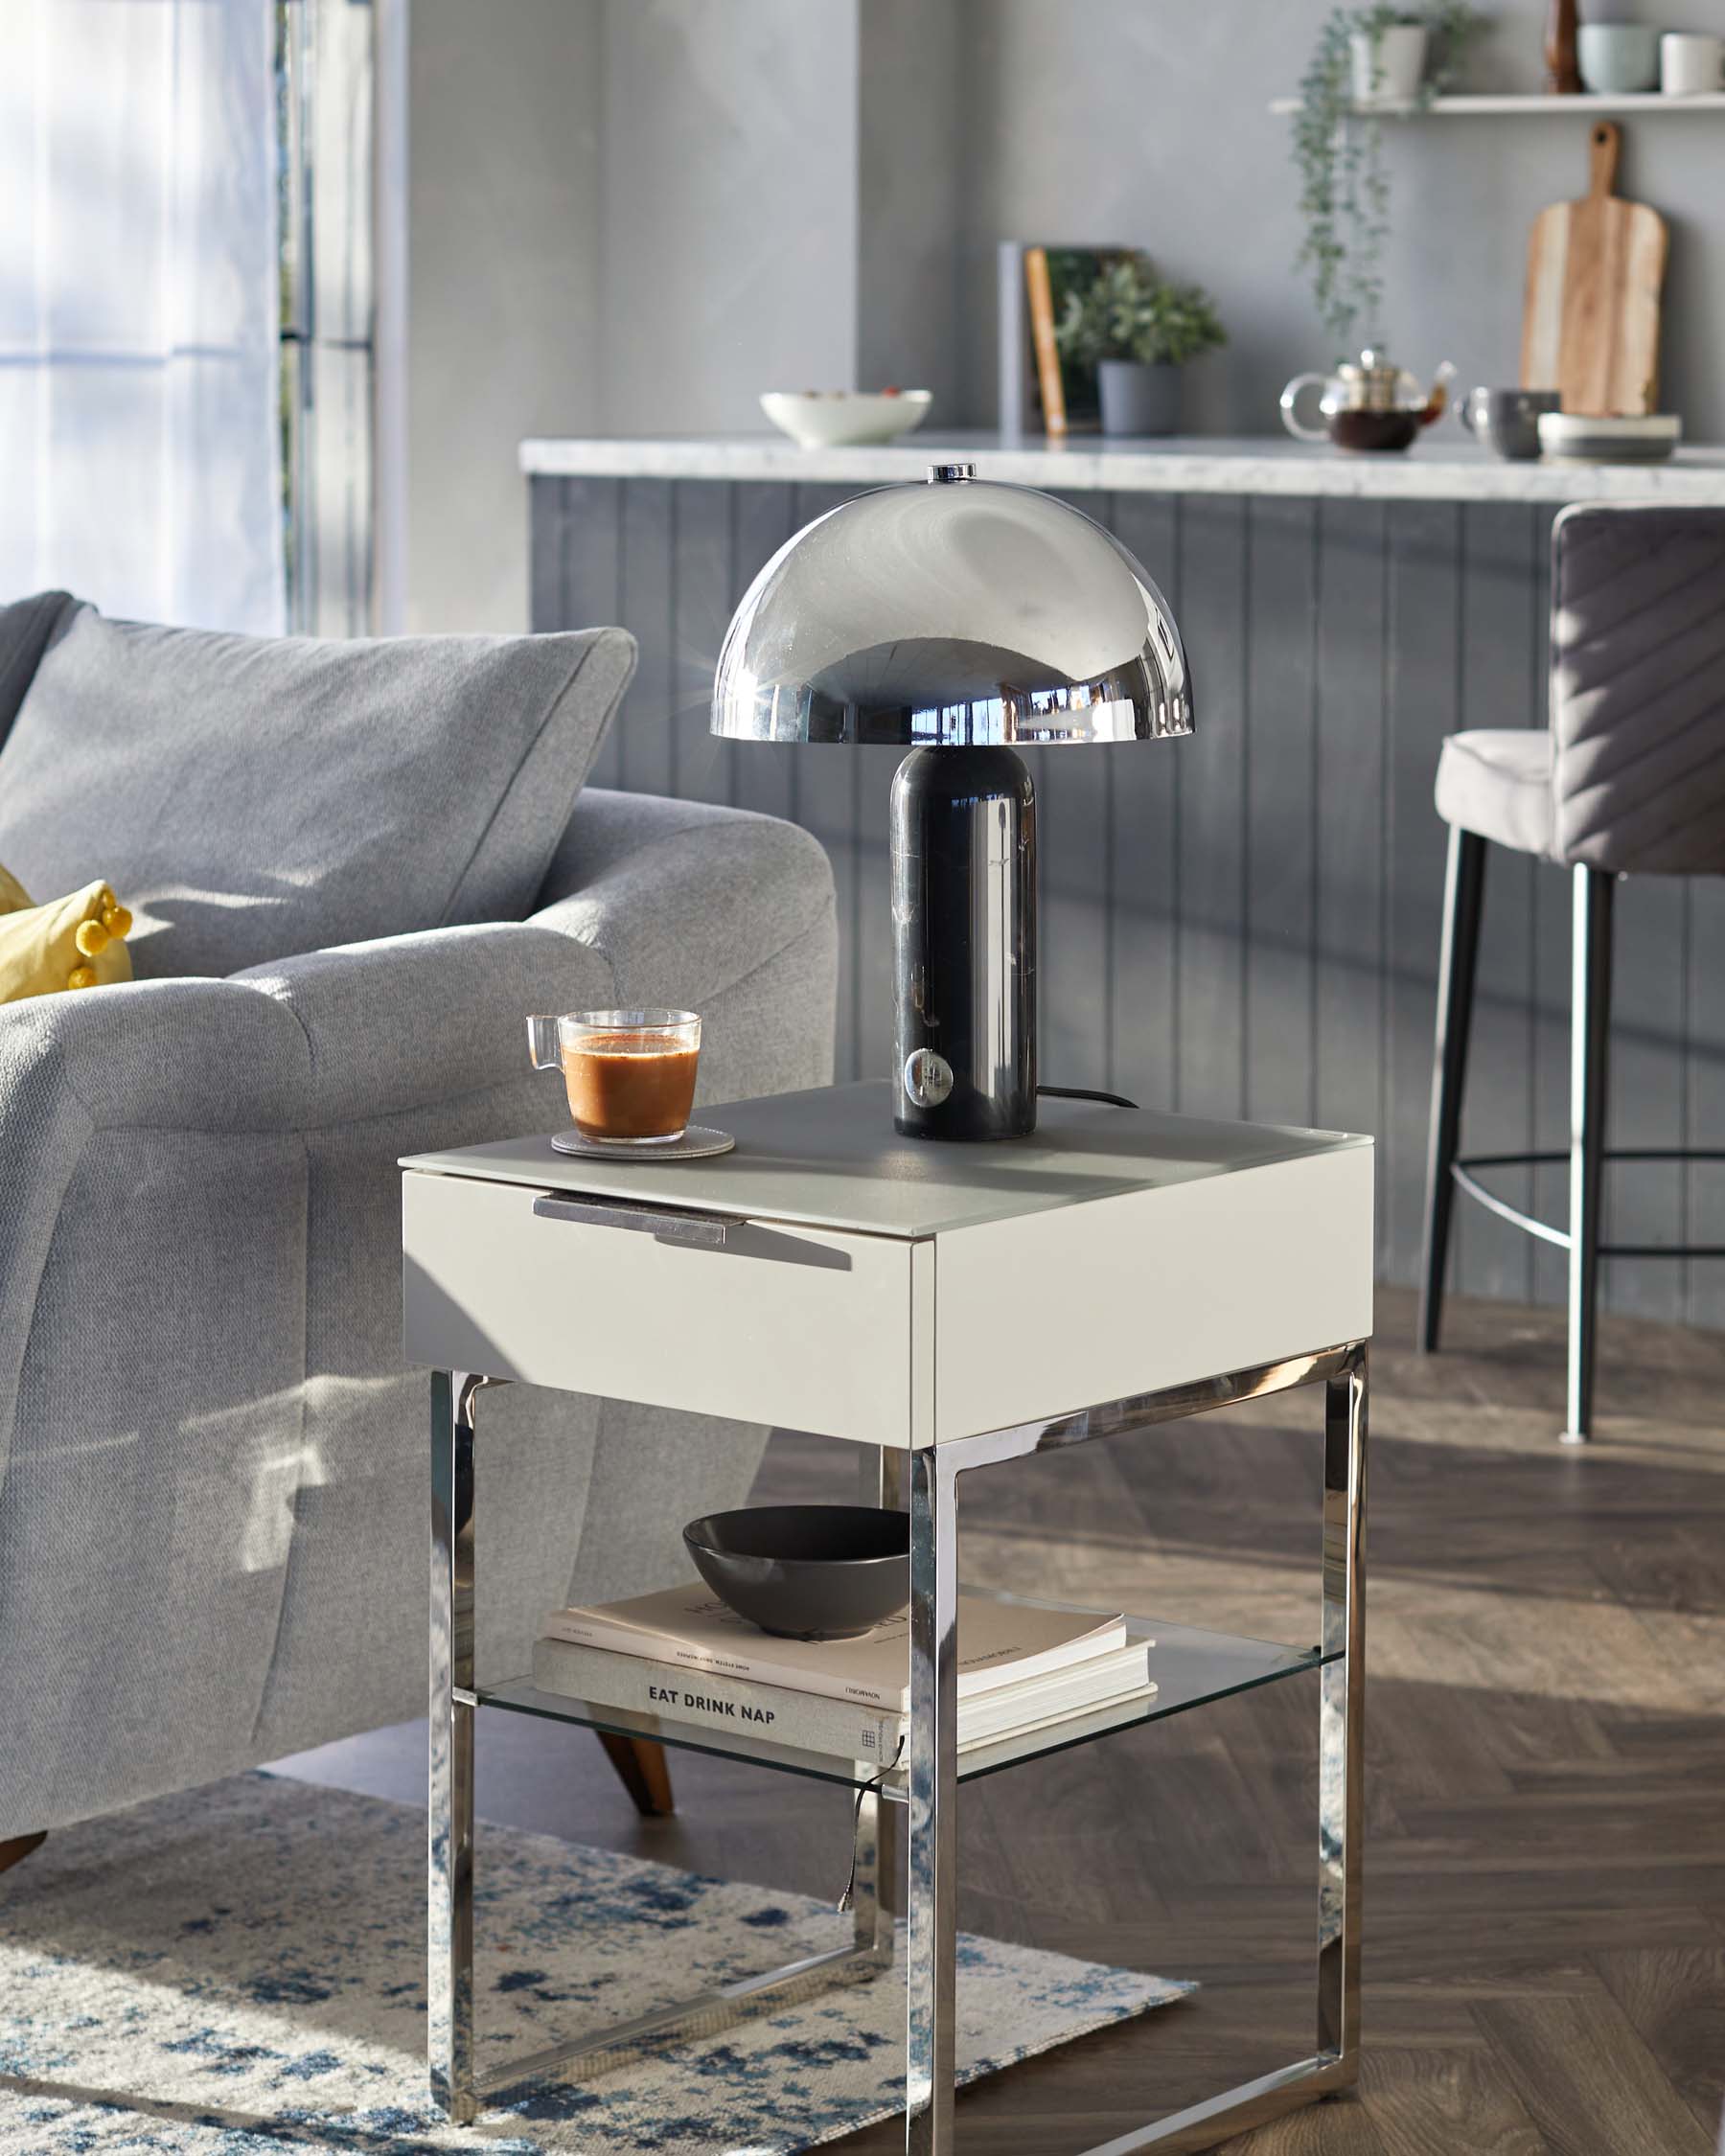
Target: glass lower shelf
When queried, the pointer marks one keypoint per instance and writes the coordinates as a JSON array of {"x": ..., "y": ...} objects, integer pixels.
[{"x": 1191, "y": 1669}]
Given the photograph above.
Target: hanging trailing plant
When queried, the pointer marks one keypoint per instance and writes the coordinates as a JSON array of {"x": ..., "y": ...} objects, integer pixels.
[{"x": 1339, "y": 155}]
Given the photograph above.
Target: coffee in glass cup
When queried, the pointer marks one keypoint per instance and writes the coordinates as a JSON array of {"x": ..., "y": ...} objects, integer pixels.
[{"x": 629, "y": 1075}]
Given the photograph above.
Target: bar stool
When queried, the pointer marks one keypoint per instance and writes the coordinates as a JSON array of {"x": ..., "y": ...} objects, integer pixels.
[{"x": 1629, "y": 779}]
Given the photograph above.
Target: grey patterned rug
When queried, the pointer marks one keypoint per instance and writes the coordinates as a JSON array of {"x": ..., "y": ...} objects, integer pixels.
[{"x": 241, "y": 1969}]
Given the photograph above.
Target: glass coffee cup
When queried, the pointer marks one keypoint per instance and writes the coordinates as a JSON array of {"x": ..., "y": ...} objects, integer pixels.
[{"x": 630, "y": 1074}]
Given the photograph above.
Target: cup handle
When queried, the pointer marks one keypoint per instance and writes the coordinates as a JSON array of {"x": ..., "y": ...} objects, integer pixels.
[
  {"x": 1291, "y": 419},
  {"x": 1464, "y": 413},
  {"x": 543, "y": 1045}
]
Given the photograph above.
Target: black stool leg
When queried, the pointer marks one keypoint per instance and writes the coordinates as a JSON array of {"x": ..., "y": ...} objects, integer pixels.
[
  {"x": 1590, "y": 1033},
  {"x": 1463, "y": 892}
]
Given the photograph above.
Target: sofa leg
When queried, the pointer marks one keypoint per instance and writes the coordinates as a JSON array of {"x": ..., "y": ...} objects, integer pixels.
[
  {"x": 643, "y": 1770},
  {"x": 20, "y": 1848}
]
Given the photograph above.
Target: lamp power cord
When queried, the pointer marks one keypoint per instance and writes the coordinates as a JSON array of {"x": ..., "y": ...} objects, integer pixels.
[{"x": 1084, "y": 1092}]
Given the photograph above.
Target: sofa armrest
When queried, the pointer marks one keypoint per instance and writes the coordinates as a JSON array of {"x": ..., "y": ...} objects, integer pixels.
[
  {"x": 676, "y": 903},
  {"x": 684, "y": 900},
  {"x": 707, "y": 909},
  {"x": 680, "y": 904},
  {"x": 725, "y": 913}
]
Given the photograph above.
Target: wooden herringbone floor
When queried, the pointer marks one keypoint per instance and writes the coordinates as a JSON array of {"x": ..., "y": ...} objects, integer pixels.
[{"x": 1545, "y": 1865}]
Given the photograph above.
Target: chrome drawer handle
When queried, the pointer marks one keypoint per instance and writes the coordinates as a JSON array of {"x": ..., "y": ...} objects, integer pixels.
[{"x": 711, "y": 1229}]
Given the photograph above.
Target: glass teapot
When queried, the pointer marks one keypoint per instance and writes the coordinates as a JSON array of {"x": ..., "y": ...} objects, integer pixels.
[{"x": 1367, "y": 403}]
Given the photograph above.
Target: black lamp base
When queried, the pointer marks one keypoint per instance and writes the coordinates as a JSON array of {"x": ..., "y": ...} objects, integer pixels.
[{"x": 965, "y": 945}]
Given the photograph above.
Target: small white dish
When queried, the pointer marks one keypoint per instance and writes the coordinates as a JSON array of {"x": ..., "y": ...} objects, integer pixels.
[
  {"x": 832, "y": 418},
  {"x": 1586, "y": 438}
]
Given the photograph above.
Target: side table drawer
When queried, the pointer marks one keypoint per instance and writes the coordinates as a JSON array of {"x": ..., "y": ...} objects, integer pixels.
[
  {"x": 803, "y": 1327},
  {"x": 1154, "y": 1288}
]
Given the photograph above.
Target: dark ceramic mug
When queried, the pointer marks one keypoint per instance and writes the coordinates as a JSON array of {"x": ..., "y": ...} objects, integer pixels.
[{"x": 1507, "y": 420}]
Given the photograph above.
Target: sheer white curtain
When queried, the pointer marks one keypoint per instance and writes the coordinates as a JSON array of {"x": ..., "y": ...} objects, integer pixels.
[{"x": 139, "y": 308}]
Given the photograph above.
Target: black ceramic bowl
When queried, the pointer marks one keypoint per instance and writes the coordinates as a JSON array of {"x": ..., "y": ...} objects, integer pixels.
[{"x": 806, "y": 1572}]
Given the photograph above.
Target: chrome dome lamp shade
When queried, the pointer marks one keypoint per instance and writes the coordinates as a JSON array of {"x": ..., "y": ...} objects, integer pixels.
[{"x": 957, "y": 619}]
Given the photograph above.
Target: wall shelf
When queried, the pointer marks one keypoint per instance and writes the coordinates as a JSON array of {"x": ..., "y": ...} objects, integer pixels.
[{"x": 1577, "y": 107}]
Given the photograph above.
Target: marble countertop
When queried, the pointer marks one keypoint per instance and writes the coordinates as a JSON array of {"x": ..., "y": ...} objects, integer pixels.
[{"x": 1441, "y": 467}]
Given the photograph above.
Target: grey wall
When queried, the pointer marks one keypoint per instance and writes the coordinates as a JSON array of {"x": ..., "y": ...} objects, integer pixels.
[
  {"x": 1142, "y": 126},
  {"x": 1145, "y": 122},
  {"x": 913, "y": 93},
  {"x": 632, "y": 215},
  {"x": 625, "y": 216},
  {"x": 503, "y": 285},
  {"x": 728, "y": 208}
]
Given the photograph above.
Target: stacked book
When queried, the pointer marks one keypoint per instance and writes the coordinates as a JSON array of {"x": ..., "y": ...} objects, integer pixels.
[{"x": 685, "y": 1657}]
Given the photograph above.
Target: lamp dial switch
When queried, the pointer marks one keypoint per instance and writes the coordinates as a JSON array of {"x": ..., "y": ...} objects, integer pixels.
[{"x": 927, "y": 1078}]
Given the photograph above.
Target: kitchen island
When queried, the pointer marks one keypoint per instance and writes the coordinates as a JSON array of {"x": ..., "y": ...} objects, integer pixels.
[
  {"x": 1442, "y": 466},
  {"x": 1245, "y": 923}
]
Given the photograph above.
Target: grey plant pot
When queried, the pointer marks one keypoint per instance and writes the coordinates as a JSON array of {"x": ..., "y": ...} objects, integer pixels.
[{"x": 1139, "y": 398}]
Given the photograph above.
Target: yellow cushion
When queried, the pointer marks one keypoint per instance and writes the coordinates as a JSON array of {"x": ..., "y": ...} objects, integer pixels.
[{"x": 77, "y": 942}]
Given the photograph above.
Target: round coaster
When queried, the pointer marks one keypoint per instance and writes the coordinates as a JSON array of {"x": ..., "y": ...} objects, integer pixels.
[{"x": 697, "y": 1143}]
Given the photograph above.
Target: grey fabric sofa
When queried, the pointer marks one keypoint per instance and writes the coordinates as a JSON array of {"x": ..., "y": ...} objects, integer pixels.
[{"x": 354, "y": 868}]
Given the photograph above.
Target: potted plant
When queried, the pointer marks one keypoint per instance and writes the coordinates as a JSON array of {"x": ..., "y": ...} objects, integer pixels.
[
  {"x": 1366, "y": 60},
  {"x": 1138, "y": 332},
  {"x": 1386, "y": 57}
]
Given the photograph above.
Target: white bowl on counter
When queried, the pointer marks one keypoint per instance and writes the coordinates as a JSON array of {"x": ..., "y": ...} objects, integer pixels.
[
  {"x": 1583, "y": 438},
  {"x": 834, "y": 418}
]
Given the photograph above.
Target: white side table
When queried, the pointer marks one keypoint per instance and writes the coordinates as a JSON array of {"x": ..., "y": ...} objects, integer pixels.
[{"x": 944, "y": 1307}]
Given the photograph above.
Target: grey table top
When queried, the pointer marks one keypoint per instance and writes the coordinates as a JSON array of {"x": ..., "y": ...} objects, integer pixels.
[{"x": 831, "y": 1157}]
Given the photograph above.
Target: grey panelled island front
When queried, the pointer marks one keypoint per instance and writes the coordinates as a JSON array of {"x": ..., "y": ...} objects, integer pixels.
[{"x": 1249, "y": 924}]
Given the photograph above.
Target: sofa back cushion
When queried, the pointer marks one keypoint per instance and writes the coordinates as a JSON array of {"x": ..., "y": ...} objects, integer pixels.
[
  {"x": 25, "y": 627},
  {"x": 259, "y": 796}
]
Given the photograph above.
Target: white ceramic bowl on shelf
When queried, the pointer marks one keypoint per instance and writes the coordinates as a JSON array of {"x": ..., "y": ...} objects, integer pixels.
[
  {"x": 832, "y": 418},
  {"x": 1584, "y": 438}
]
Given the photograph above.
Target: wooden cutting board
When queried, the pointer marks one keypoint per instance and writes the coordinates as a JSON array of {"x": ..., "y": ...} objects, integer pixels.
[{"x": 1590, "y": 318}]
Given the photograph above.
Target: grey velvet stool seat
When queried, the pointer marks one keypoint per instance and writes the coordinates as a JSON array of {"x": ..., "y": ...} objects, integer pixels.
[{"x": 1628, "y": 780}]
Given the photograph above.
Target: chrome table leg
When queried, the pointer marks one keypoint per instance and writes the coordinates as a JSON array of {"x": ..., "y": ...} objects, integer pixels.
[
  {"x": 1341, "y": 1798},
  {"x": 926, "y": 1481},
  {"x": 929, "y": 1982},
  {"x": 1341, "y": 1807},
  {"x": 449, "y": 1820},
  {"x": 877, "y": 1901},
  {"x": 455, "y": 2083},
  {"x": 873, "y": 1888}
]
